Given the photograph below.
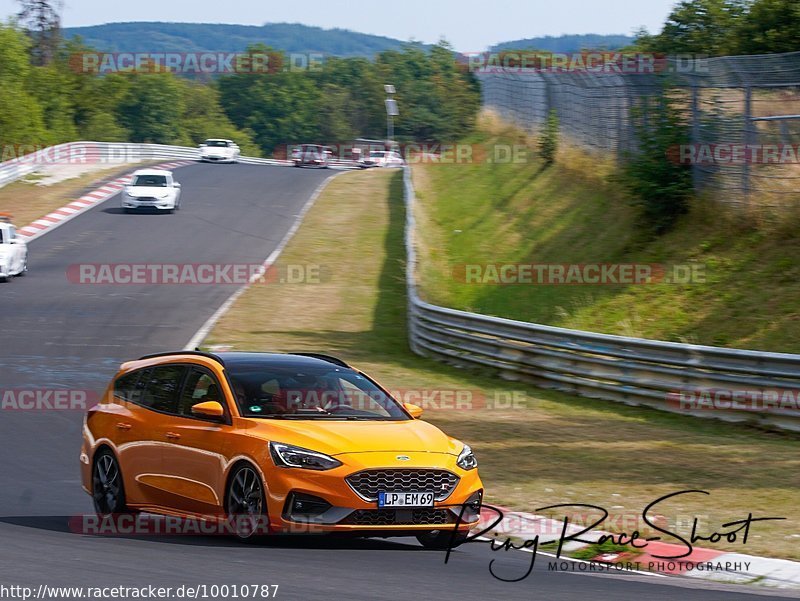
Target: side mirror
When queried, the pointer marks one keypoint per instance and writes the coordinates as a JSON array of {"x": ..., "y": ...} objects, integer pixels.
[
  {"x": 176, "y": 185},
  {"x": 414, "y": 410},
  {"x": 210, "y": 409}
]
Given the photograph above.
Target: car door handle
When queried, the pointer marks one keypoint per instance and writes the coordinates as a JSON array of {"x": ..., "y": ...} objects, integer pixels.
[
  {"x": 173, "y": 436},
  {"x": 123, "y": 426}
]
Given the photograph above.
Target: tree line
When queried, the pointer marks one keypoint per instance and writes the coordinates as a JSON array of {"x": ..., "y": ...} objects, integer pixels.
[
  {"x": 48, "y": 99},
  {"x": 727, "y": 27}
]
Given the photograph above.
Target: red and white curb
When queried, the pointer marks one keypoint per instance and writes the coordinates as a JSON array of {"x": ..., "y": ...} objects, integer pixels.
[
  {"x": 707, "y": 564},
  {"x": 84, "y": 203}
]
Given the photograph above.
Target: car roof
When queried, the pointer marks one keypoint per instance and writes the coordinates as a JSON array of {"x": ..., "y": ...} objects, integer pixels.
[
  {"x": 217, "y": 140},
  {"x": 152, "y": 172},
  {"x": 234, "y": 359}
]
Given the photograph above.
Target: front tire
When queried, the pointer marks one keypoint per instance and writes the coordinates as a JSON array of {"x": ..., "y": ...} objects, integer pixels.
[
  {"x": 442, "y": 539},
  {"x": 245, "y": 502},
  {"x": 108, "y": 490}
]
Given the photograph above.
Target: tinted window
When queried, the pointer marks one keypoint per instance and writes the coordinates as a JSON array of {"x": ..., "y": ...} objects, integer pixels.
[
  {"x": 125, "y": 386},
  {"x": 310, "y": 392},
  {"x": 200, "y": 387},
  {"x": 156, "y": 181},
  {"x": 161, "y": 387}
]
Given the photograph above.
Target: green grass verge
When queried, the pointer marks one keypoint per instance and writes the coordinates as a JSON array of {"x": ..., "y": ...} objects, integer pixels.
[{"x": 574, "y": 212}]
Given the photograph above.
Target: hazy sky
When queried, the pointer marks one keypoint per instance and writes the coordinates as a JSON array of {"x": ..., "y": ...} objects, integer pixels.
[{"x": 469, "y": 25}]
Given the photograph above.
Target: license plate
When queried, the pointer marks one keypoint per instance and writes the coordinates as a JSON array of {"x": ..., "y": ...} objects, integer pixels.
[{"x": 405, "y": 499}]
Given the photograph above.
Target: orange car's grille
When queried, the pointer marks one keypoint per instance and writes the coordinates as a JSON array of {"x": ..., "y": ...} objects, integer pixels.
[
  {"x": 418, "y": 516},
  {"x": 369, "y": 483}
]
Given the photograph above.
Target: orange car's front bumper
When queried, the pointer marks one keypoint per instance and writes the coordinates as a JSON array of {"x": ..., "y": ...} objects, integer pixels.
[{"x": 348, "y": 512}]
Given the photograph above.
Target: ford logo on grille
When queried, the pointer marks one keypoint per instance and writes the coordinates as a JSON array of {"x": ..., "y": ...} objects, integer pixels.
[{"x": 403, "y": 458}]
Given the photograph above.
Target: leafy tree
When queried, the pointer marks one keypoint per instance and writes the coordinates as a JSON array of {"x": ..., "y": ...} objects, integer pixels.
[
  {"x": 548, "y": 140},
  {"x": 660, "y": 187},
  {"x": 21, "y": 117},
  {"x": 769, "y": 26},
  {"x": 204, "y": 118},
  {"x": 152, "y": 108},
  {"x": 42, "y": 21},
  {"x": 51, "y": 88},
  {"x": 699, "y": 26}
]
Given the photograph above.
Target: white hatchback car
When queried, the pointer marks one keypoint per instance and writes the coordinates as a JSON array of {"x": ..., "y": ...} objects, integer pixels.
[
  {"x": 152, "y": 189},
  {"x": 13, "y": 251},
  {"x": 217, "y": 150}
]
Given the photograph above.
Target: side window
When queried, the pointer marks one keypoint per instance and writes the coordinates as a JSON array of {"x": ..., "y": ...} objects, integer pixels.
[
  {"x": 125, "y": 386},
  {"x": 200, "y": 387},
  {"x": 161, "y": 387}
]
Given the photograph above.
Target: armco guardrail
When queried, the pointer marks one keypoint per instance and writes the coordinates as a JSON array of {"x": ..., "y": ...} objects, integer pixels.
[
  {"x": 112, "y": 153},
  {"x": 729, "y": 384}
]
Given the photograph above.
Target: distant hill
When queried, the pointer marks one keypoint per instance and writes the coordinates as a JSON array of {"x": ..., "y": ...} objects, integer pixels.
[
  {"x": 143, "y": 36},
  {"x": 218, "y": 37},
  {"x": 568, "y": 43}
]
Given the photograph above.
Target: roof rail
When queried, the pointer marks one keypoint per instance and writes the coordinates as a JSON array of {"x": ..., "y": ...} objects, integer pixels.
[
  {"x": 216, "y": 358},
  {"x": 322, "y": 357}
]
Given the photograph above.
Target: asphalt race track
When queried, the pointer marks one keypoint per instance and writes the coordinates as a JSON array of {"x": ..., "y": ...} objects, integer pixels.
[{"x": 58, "y": 334}]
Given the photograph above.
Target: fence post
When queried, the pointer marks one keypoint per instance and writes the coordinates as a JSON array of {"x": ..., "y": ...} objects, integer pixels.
[
  {"x": 695, "y": 134},
  {"x": 748, "y": 109}
]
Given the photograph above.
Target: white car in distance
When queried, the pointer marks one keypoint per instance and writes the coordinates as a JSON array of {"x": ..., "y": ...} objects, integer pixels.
[
  {"x": 384, "y": 158},
  {"x": 13, "y": 251},
  {"x": 152, "y": 189},
  {"x": 217, "y": 150}
]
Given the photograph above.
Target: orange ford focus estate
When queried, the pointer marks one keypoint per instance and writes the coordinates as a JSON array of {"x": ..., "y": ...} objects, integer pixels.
[{"x": 291, "y": 442}]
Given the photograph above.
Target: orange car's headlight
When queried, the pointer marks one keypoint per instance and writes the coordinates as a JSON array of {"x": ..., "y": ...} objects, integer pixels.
[
  {"x": 286, "y": 455},
  {"x": 466, "y": 459}
]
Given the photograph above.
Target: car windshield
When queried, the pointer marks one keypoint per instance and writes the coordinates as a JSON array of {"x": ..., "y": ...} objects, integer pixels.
[
  {"x": 310, "y": 392},
  {"x": 377, "y": 154},
  {"x": 217, "y": 143},
  {"x": 153, "y": 181}
]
